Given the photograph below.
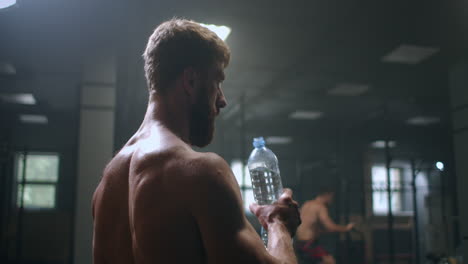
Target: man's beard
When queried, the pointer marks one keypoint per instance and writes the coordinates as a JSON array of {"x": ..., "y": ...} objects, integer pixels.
[{"x": 201, "y": 123}]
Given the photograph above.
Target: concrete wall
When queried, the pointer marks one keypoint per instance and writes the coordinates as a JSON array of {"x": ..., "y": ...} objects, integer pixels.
[
  {"x": 96, "y": 142},
  {"x": 459, "y": 108}
]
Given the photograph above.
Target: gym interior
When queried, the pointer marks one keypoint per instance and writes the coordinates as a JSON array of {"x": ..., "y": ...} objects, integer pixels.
[{"x": 370, "y": 97}]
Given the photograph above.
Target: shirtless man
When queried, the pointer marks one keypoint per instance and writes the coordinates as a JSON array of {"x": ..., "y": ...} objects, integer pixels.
[
  {"x": 159, "y": 201},
  {"x": 316, "y": 221}
]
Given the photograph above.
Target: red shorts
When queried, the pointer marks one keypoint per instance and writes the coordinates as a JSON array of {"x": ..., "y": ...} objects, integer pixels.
[{"x": 310, "y": 249}]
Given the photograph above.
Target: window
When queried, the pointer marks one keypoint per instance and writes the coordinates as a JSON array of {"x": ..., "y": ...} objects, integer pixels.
[
  {"x": 244, "y": 182},
  {"x": 38, "y": 187},
  {"x": 379, "y": 190}
]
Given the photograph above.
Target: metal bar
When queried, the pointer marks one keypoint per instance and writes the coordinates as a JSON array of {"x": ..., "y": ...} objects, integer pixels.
[
  {"x": 391, "y": 242},
  {"x": 242, "y": 139},
  {"x": 414, "y": 173},
  {"x": 346, "y": 215},
  {"x": 8, "y": 198},
  {"x": 42, "y": 183},
  {"x": 3, "y": 205},
  {"x": 346, "y": 188},
  {"x": 19, "y": 229},
  {"x": 443, "y": 207},
  {"x": 342, "y": 252},
  {"x": 341, "y": 257},
  {"x": 298, "y": 195}
]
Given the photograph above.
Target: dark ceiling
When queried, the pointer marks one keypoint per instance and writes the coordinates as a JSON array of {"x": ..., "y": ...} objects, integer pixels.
[{"x": 286, "y": 55}]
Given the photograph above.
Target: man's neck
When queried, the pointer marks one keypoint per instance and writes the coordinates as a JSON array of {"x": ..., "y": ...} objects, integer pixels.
[{"x": 168, "y": 113}]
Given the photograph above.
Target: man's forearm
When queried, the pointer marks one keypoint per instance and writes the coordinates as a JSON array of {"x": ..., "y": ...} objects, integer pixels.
[
  {"x": 280, "y": 243},
  {"x": 339, "y": 229}
]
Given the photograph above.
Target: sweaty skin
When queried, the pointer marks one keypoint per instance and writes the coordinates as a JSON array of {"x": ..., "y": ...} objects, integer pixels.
[
  {"x": 159, "y": 201},
  {"x": 316, "y": 221}
]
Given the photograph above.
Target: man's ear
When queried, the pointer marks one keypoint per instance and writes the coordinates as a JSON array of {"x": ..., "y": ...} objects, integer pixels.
[{"x": 189, "y": 77}]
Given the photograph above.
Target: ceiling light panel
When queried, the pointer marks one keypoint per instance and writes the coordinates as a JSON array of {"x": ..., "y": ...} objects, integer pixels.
[
  {"x": 19, "y": 98},
  {"x": 380, "y": 144},
  {"x": 306, "y": 115},
  {"x": 409, "y": 54},
  {"x": 349, "y": 89},
  {"x": 34, "y": 119},
  {"x": 423, "y": 120},
  {"x": 275, "y": 140}
]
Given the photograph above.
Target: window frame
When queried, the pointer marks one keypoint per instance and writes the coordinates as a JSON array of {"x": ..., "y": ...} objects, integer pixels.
[
  {"x": 242, "y": 185},
  {"x": 19, "y": 182},
  {"x": 396, "y": 190}
]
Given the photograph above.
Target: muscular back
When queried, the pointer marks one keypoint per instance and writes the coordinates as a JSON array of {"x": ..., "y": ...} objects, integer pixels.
[
  {"x": 110, "y": 212},
  {"x": 316, "y": 220},
  {"x": 311, "y": 226},
  {"x": 161, "y": 202},
  {"x": 140, "y": 207}
]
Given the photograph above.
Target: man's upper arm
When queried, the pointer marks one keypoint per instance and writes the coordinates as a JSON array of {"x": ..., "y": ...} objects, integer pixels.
[{"x": 217, "y": 206}]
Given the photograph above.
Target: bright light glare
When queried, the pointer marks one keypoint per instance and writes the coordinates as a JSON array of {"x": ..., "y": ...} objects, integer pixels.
[
  {"x": 440, "y": 166},
  {"x": 380, "y": 144},
  {"x": 6, "y": 3},
  {"x": 20, "y": 98},
  {"x": 222, "y": 31}
]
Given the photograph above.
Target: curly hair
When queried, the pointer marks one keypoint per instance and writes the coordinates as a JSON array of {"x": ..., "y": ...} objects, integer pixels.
[{"x": 177, "y": 44}]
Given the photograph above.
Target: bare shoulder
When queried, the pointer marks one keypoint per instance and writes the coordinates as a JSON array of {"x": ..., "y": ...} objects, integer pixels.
[
  {"x": 163, "y": 171},
  {"x": 321, "y": 209},
  {"x": 211, "y": 180},
  {"x": 151, "y": 164},
  {"x": 208, "y": 165},
  {"x": 184, "y": 167},
  {"x": 318, "y": 206},
  {"x": 209, "y": 171},
  {"x": 312, "y": 207},
  {"x": 309, "y": 204},
  {"x": 183, "y": 161}
]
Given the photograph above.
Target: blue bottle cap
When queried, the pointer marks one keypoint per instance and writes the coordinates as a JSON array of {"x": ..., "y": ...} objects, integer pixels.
[{"x": 258, "y": 142}]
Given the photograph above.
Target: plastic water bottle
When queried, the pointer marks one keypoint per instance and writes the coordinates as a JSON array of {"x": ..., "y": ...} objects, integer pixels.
[{"x": 265, "y": 176}]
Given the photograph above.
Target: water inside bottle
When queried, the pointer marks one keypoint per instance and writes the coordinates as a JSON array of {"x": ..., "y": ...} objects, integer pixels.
[{"x": 266, "y": 185}]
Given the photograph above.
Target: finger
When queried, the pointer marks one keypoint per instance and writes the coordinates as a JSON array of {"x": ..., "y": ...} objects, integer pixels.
[
  {"x": 293, "y": 205},
  {"x": 296, "y": 204},
  {"x": 286, "y": 197},
  {"x": 287, "y": 191},
  {"x": 254, "y": 208}
]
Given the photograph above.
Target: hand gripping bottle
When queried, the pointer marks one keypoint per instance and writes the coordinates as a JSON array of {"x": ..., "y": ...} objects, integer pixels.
[{"x": 265, "y": 176}]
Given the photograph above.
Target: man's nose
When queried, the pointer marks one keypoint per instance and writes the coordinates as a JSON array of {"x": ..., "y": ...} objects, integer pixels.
[{"x": 222, "y": 102}]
